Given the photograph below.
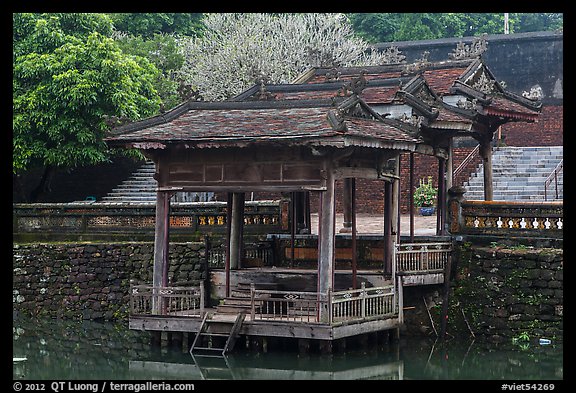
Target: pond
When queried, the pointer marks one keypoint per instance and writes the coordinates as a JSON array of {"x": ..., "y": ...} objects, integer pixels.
[{"x": 87, "y": 350}]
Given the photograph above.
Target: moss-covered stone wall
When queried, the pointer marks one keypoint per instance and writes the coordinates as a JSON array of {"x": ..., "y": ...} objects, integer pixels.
[
  {"x": 510, "y": 292},
  {"x": 92, "y": 281}
]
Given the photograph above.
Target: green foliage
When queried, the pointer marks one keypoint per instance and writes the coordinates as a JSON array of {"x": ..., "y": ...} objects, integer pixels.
[
  {"x": 162, "y": 51},
  {"x": 425, "y": 194},
  {"x": 147, "y": 25},
  {"x": 389, "y": 27},
  {"x": 67, "y": 77}
]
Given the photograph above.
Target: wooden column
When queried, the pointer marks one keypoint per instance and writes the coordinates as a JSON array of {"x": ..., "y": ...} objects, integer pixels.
[
  {"x": 411, "y": 192},
  {"x": 353, "y": 223},
  {"x": 486, "y": 154},
  {"x": 228, "y": 240},
  {"x": 387, "y": 227},
  {"x": 326, "y": 241},
  {"x": 440, "y": 198},
  {"x": 236, "y": 229},
  {"x": 293, "y": 226},
  {"x": 347, "y": 206},
  {"x": 450, "y": 165},
  {"x": 395, "y": 229},
  {"x": 160, "y": 270}
]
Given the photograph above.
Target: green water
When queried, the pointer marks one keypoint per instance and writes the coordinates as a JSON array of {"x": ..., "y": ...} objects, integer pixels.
[{"x": 71, "y": 350}]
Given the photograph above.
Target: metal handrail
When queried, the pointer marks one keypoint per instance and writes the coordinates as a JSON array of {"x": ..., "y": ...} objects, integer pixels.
[
  {"x": 466, "y": 161},
  {"x": 553, "y": 175}
]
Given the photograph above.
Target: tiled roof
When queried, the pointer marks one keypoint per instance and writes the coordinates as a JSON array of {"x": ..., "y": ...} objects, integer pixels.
[
  {"x": 506, "y": 107},
  {"x": 379, "y": 95},
  {"x": 376, "y": 129},
  {"x": 440, "y": 80},
  {"x": 228, "y": 123},
  {"x": 307, "y": 111}
]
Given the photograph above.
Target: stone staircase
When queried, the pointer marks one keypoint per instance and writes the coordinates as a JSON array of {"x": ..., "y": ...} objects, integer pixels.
[
  {"x": 519, "y": 174},
  {"x": 141, "y": 188}
]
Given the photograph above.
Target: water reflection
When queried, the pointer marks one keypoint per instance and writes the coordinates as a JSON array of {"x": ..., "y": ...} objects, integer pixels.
[{"x": 67, "y": 350}]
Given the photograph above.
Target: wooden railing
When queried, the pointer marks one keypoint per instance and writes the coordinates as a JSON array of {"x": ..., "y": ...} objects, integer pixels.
[
  {"x": 261, "y": 251},
  {"x": 361, "y": 304},
  {"x": 354, "y": 305},
  {"x": 422, "y": 257},
  {"x": 182, "y": 301},
  {"x": 288, "y": 306},
  {"x": 553, "y": 177}
]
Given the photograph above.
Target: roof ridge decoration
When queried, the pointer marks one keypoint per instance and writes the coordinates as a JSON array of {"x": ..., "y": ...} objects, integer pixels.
[
  {"x": 534, "y": 94},
  {"x": 484, "y": 84},
  {"x": 419, "y": 64},
  {"x": 478, "y": 46},
  {"x": 355, "y": 86},
  {"x": 332, "y": 75},
  {"x": 392, "y": 55}
]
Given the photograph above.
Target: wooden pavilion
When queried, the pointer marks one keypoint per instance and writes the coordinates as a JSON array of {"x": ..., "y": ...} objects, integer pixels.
[{"x": 331, "y": 124}]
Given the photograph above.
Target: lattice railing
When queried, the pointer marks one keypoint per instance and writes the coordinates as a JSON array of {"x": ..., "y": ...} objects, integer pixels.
[
  {"x": 422, "y": 257},
  {"x": 262, "y": 251},
  {"x": 182, "y": 301},
  {"x": 363, "y": 303},
  {"x": 354, "y": 305}
]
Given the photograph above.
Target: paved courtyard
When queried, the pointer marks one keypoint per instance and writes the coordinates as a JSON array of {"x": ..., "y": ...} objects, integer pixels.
[{"x": 371, "y": 224}]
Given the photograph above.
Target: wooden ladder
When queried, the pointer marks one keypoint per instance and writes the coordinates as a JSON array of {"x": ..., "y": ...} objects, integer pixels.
[{"x": 211, "y": 331}]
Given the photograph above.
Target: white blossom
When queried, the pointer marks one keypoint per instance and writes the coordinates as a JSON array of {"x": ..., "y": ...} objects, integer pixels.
[{"x": 237, "y": 50}]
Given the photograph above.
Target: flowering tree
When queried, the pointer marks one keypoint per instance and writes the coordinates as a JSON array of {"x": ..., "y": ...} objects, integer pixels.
[{"x": 237, "y": 50}]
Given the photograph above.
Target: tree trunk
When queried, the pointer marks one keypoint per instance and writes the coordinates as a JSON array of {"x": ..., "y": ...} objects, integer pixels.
[{"x": 44, "y": 184}]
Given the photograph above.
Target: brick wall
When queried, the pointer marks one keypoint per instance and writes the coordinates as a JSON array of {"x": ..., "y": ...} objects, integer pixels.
[{"x": 547, "y": 131}]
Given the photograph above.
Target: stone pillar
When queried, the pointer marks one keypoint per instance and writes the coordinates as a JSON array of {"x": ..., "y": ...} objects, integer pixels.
[{"x": 454, "y": 216}]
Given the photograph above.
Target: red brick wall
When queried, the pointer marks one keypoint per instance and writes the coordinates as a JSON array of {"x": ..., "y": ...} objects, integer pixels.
[{"x": 547, "y": 131}]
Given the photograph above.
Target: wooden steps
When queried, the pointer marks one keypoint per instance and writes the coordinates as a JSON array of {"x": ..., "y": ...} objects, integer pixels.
[{"x": 216, "y": 336}]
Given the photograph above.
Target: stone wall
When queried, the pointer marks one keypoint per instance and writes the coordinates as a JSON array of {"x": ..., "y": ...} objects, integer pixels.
[
  {"x": 502, "y": 292},
  {"x": 92, "y": 281},
  {"x": 508, "y": 291}
]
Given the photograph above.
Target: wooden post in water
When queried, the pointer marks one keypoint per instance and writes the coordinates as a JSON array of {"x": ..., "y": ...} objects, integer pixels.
[{"x": 444, "y": 315}]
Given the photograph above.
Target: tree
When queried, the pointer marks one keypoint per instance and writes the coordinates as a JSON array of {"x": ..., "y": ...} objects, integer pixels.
[
  {"x": 147, "y": 25},
  {"x": 390, "y": 27},
  {"x": 68, "y": 77},
  {"x": 237, "y": 50},
  {"x": 162, "y": 51}
]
